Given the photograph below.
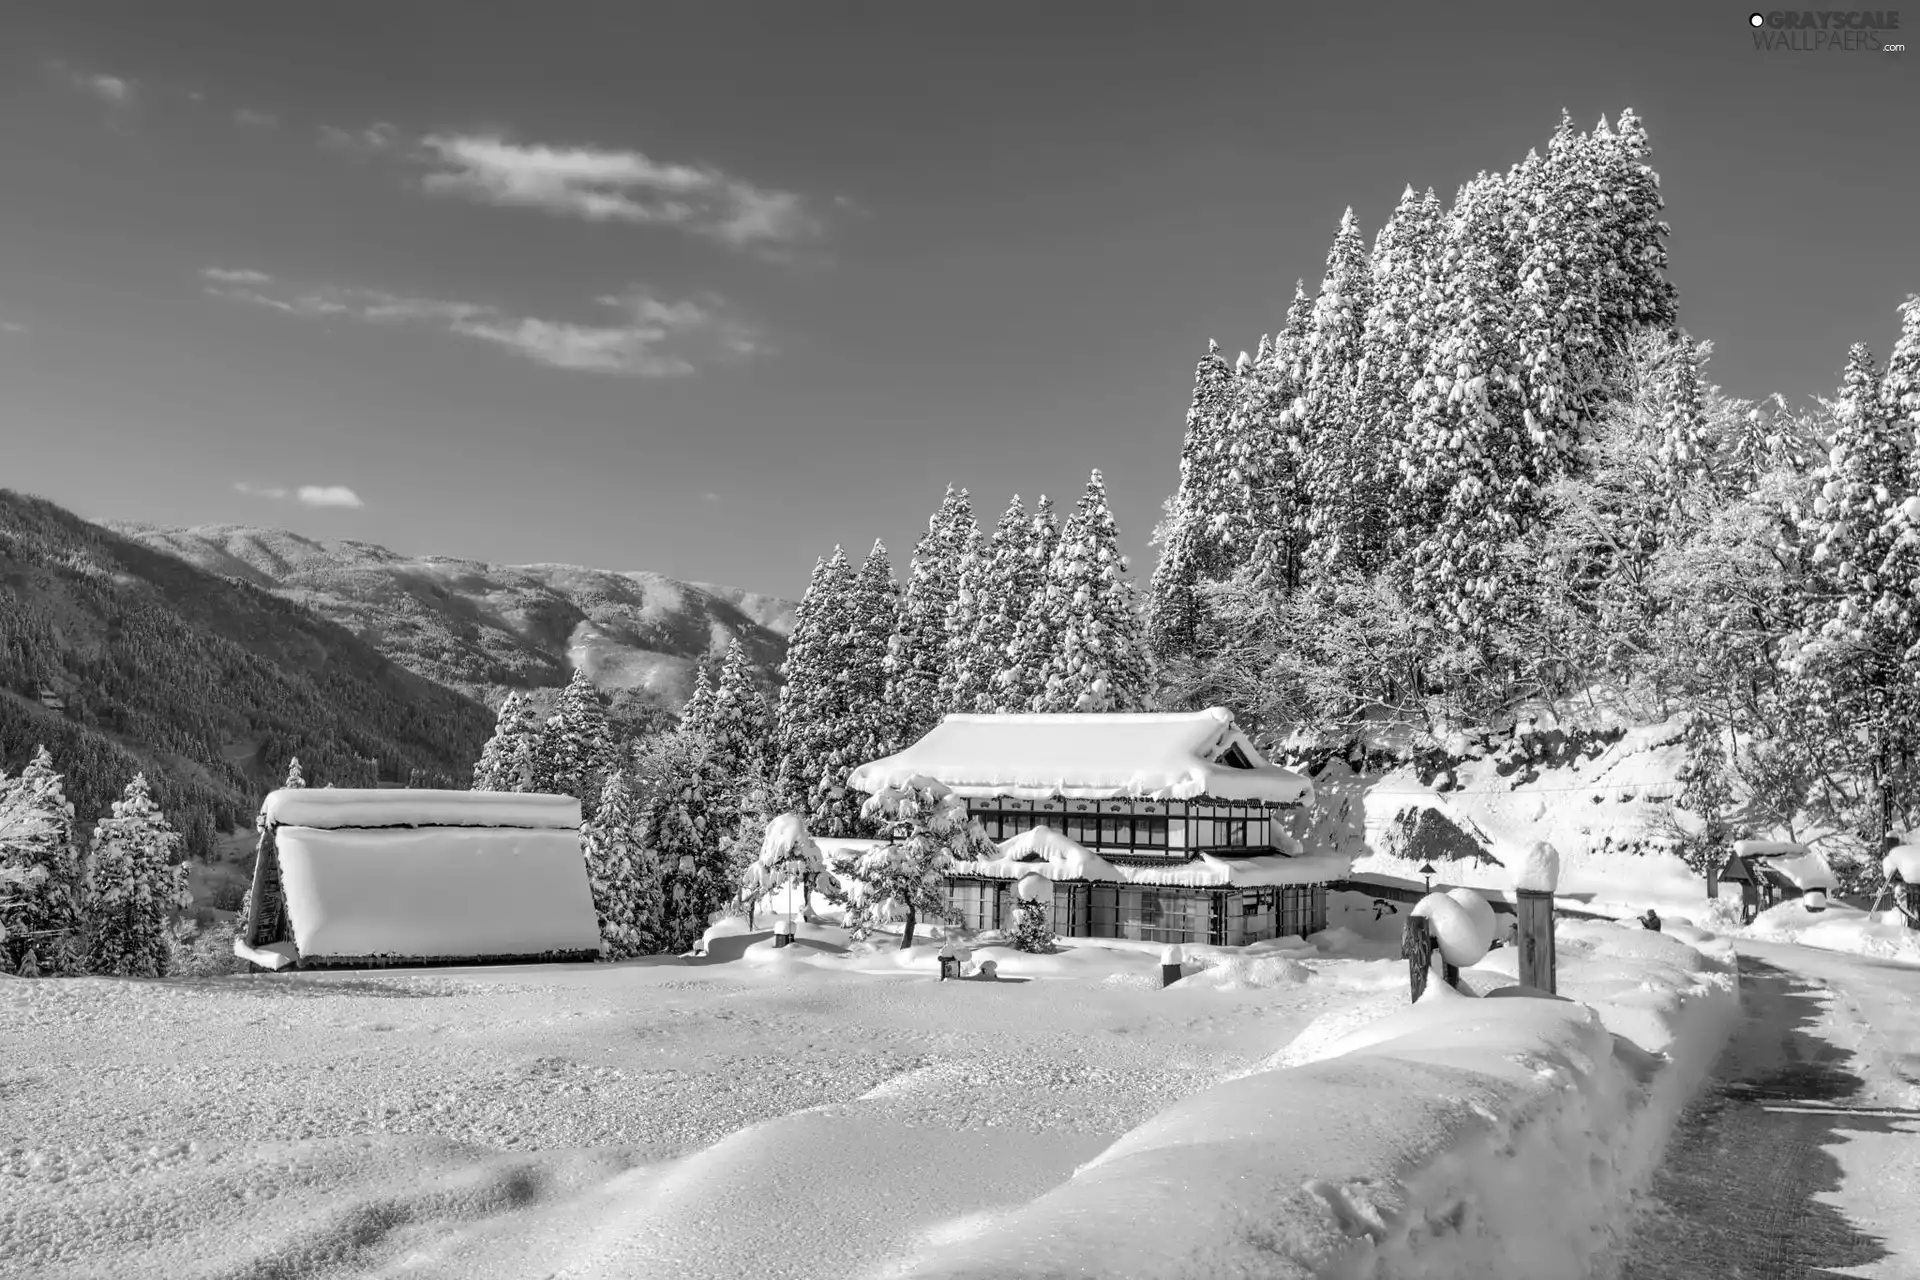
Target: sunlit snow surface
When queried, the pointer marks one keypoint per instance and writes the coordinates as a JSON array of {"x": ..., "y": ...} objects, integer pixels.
[{"x": 801, "y": 1112}]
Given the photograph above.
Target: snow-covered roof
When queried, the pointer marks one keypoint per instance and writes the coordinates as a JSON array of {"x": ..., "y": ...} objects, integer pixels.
[
  {"x": 438, "y": 894},
  {"x": 1046, "y": 850},
  {"x": 1093, "y": 756},
  {"x": 329, "y": 808},
  {"x": 1805, "y": 870},
  {"x": 1764, "y": 848}
]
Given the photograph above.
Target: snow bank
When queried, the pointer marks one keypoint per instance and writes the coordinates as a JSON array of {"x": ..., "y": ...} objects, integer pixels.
[
  {"x": 1883, "y": 934},
  {"x": 331, "y": 808},
  {"x": 1147, "y": 755},
  {"x": 437, "y": 894},
  {"x": 1486, "y": 1137}
]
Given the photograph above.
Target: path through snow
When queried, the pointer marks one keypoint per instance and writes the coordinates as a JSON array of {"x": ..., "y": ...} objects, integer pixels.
[{"x": 1802, "y": 1154}]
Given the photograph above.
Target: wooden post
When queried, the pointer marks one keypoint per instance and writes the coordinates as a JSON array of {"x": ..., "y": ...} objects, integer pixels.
[
  {"x": 1911, "y": 892},
  {"x": 1713, "y": 880},
  {"x": 1416, "y": 948},
  {"x": 1534, "y": 910}
]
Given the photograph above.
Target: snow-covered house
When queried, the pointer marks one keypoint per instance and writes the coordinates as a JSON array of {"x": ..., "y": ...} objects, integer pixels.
[
  {"x": 1772, "y": 871},
  {"x": 354, "y": 878},
  {"x": 1163, "y": 827}
]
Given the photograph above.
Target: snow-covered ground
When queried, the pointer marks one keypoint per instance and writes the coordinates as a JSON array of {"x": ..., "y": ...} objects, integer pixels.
[
  {"x": 807, "y": 1111},
  {"x": 800, "y": 1112},
  {"x": 1882, "y": 934}
]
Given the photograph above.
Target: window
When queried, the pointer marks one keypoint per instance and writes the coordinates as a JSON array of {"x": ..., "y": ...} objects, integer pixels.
[{"x": 1120, "y": 832}]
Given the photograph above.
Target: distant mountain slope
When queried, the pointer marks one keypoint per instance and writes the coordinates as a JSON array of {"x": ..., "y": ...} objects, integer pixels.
[
  {"x": 483, "y": 628},
  {"x": 121, "y": 657}
]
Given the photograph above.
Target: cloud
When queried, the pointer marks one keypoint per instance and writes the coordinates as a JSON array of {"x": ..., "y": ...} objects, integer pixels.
[
  {"x": 255, "y": 119},
  {"x": 12, "y": 326},
  {"x": 328, "y": 495},
  {"x": 642, "y": 335},
  {"x": 116, "y": 90},
  {"x": 312, "y": 495},
  {"x": 373, "y": 139},
  {"x": 599, "y": 185},
  {"x": 227, "y": 275}
]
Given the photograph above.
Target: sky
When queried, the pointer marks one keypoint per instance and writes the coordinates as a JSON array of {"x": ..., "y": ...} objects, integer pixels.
[{"x": 708, "y": 288}]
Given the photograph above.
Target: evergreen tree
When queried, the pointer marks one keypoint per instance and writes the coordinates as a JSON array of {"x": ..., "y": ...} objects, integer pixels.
[
  {"x": 1900, "y": 389},
  {"x": 623, "y": 873},
  {"x": 37, "y": 853},
  {"x": 1858, "y": 625},
  {"x": 1031, "y": 931},
  {"x": 862, "y": 730},
  {"x": 506, "y": 761},
  {"x": 686, "y": 827},
  {"x": 1032, "y": 632},
  {"x": 812, "y": 700},
  {"x": 1189, "y": 553},
  {"x": 1271, "y": 457},
  {"x": 1098, "y": 661},
  {"x": 917, "y": 651},
  {"x": 1341, "y": 460},
  {"x": 786, "y": 866},
  {"x": 134, "y": 881},
  {"x": 575, "y": 746},
  {"x": 739, "y": 722},
  {"x": 295, "y": 778},
  {"x": 696, "y": 716},
  {"x": 1395, "y": 345},
  {"x": 907, "y": 873},
  {"x": 1470, "y": 455}
]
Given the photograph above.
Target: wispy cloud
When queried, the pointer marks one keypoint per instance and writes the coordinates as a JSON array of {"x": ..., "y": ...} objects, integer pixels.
[
  {"x": 311, "y": 495},
  {"x": 373, "y": 139},
  {"x": 253, "y": 119},
  {"x": 643, "y": 335},
  {"x": 116, "y": 90},
  {"x": 600, "y": 185},
  {"x": 12, "y": 326}
]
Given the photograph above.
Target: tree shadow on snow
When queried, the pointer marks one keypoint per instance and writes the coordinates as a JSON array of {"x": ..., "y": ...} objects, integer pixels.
[{"x": 1737, "y": 1195}]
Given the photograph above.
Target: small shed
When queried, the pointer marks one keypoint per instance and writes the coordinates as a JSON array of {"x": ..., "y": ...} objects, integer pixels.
[
  {"x": 1770, "y": 872},
  {"x": 355, "y": 878}
]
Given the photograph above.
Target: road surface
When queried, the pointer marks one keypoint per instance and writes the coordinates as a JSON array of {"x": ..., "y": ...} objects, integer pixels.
[{"x": 1801, "y": 1157}]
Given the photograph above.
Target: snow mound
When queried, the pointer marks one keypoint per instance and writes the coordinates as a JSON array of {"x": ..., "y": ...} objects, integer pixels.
[
  {"x": 1539, "y": 868},
  {"x": 1461, "y": 937},
  {"x": 1248, "y": 973},
  {"x": 1902, "y": 861}
]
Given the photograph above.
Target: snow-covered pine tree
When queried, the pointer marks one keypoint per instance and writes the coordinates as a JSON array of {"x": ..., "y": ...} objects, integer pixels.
[
  {"x": 971, "y": 656},
  {"x": 1470, "y": 452},
  {"x": 295, "y": 778},
  {"x": 1187, "y": 538},
  {"x": 623, "y": 873},
  {"x": 36, "y": 847},
  {"x": 576, "y": 745},
  {"x": 1341, "y": 462},
  {"x": 785, "y": 869},
  {"x": 686, "y": 827},
  {"x": 812, "y": 700},
  {"x": 1395, "y": 343},
  {"x": 1625, "y": 192},
  {"x": 506, "y": 760},
  {"x": 1900, "y": 389},
  {"x": 1271, "y": 456},
  {"x": 1031, "y": 930},
  {"x": 697, "y": 715},
  {"x": 1098, "y": 661},
  {"x": 1032, "y": 632},
  {"x": 917, "y": 650},
  {"x": 739, "y": 722},
  {"x": 135, "y": 879},
  {"x": 1856, "y": 633},
  {"x": 907, "y": 873}
]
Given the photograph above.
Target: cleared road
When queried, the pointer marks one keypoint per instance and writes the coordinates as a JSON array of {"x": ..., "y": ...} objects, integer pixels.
[{"x": 1801, "y": 1157}]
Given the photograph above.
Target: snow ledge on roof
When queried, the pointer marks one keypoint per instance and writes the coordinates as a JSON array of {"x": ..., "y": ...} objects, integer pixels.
[{"x": 328, "y": 808}]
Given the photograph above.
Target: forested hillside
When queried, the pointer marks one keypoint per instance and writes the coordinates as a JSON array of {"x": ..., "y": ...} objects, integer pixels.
[
  {"x": 484, "y": 629},
  {"x": 120, "y": 657}
]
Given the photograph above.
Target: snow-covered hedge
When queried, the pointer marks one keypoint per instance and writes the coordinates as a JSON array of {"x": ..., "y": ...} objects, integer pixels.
[{"x": 1497, "y": 1137}]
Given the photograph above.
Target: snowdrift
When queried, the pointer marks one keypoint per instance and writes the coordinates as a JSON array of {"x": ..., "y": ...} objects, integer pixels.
[{"x": 1498, "y": 1137}]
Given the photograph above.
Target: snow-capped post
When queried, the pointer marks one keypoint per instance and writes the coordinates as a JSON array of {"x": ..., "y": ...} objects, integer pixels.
[
  {"x": 949, "y": 962},
  {"x": 1171, "y": 959},
  {"x": 1458, "y": 924},
  {"x": 1534, "y": 883},
  {"x": 1901, "y": 867},
  {"x": 783, "y": 931}
]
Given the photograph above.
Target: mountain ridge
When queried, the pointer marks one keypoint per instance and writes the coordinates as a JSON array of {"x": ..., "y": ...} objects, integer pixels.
[{"x": 482, "y": 628}]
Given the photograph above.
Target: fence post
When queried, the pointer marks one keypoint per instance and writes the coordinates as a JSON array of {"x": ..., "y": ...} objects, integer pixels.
[
  {"x": 1416, "y": 947},
  {"x": 1533, "y": 908}
]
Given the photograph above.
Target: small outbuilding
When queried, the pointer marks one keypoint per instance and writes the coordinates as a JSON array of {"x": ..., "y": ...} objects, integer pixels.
[
  {"x": 1770, "y": 872},
  {"x": 1157, "y": 826},
  {"x": 360, "y": 878}
]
